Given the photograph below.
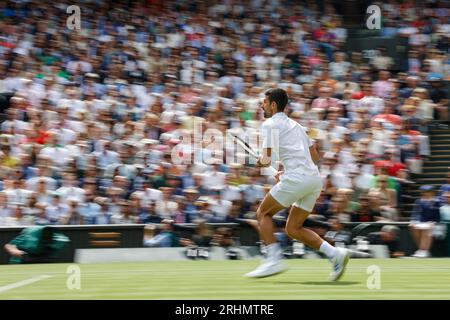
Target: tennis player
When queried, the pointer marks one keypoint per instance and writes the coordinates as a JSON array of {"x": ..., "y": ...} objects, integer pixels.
[{"x": 298, "y": 187}]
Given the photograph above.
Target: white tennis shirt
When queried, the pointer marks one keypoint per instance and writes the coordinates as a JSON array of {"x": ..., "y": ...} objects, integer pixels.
[{"x": 289, "y": 140}]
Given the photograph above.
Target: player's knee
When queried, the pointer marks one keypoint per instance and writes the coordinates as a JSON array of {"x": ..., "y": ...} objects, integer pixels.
[
  {"x": 288, "y": 230},
  {"x": 291, "y": 230},
  {"x": 260, "y": 214}
]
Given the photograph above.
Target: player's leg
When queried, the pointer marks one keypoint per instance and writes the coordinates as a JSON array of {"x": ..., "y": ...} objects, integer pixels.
[
  {"x": 272, "y": 264},
  {"x": 300, "y": 210},
  {"x": 296, "y": 230},
  {"x": 294, "y": 227},
  {"x": 268, "y": 207}
]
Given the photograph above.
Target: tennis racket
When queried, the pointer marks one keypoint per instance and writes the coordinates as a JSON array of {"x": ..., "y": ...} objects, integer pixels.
[{"x": 271, "y": 170}]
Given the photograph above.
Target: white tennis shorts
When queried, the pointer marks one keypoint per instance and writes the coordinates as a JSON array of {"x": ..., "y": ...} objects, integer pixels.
[{"x": 297, "y": 189}]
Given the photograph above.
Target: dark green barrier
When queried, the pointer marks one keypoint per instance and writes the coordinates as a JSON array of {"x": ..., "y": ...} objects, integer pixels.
[{"x": 131, "y": 236}]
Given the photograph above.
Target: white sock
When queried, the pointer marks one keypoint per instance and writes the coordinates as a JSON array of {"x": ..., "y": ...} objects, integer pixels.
[
  {"x": 274, "y": 251},
  {"x": 327, "y": 249}
]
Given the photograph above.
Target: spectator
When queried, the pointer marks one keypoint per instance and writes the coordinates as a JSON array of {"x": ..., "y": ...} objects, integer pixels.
[
  {"x": 383, "y": 87},
  {"x": 32, "y": 208},
  {"x": 388, "y": 235},
  {"x": 73, "y": 215},
  {"x": 375, "y": 206},
  {"x": 180, "y": 215},
  {"x": 149, "y": 215},
  {"x": 439, "y": 96},
  {"x": 5, "y": 209},
  {"x": 412, "y": 83},
  {"x": 56, "y": 210},
  {"x": 346, "y": 86},
  {"x": 6, "y": 159},
  {"x": 236, "y": 212},
  {"x": 44, "y": 173},
  {"x": 390, "y": 163},
  {"x": 104, "y": 215},
  {"x": 322, "y": 205},
  {"x": 43, "y": 195},
  {"x": 370, "y": 101},
  {"x": 41, "y": 218},
  {"x": 364, "y": 213},
  {"x": 339, "y": 67},
  {"x": 202, "y": 237},
  {"x": 382, "y": 61},
  {"x": 414, "y": 63},
  {"x": 126, "y": 215},
  {"x": 17, "y": 194},
  {"x": 165, "y": 238},
  {"x": 166, "y": 207},
  {"x": 337, "y": 236},
  {"x": 70, "y": 189},
  {"x": 338, "y": 209},
  {"x": 423, "y": 219},
  {"x": 230, "y": 192},
  {"x": 388, "y": 198},
  {"x": 224, "y": 237},
  {"x": 18, "y": 218},
  {"x": 325, "y": 100},
  {"x": 107, "y": 157},
  {"x": 445, "y": 208}
]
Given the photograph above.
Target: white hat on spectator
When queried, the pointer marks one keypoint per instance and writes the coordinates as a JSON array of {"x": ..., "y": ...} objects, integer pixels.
[
  {"x": 166, "y": 136},
  {"x": 329, "y": 155},
  {"x": 139, "y": 166},
  {"x": 236, "y": 165},
  {"x": 346, "y": 131},
  {"x": 148, "y": 141},
  {"x": 254, "y": 124},
  {"x": 73, "y": 199},
  {"x": 198, "y": 168}
]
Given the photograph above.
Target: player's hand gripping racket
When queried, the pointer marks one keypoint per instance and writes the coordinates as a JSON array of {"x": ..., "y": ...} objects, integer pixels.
[{"x": 271, "y": 170}]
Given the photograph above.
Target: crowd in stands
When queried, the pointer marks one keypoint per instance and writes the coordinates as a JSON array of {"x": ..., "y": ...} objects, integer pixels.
[{"x": 93, "y": 115}]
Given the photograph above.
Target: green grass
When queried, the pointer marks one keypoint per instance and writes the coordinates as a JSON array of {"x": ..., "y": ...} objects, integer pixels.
[{"x": 306, "y": 279}]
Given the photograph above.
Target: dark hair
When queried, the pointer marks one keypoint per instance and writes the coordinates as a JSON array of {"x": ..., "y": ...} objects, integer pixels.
[{"x": 279, "y": 96}]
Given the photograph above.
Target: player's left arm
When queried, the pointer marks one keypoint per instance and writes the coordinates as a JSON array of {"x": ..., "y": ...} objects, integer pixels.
[
  {"x": 268, "y": 142},
  {"x": 314, "y": 154}
]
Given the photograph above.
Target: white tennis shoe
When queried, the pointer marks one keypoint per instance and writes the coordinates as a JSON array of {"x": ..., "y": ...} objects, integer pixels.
[
  {"x": 339, "y": 263},
  {"x": 267, "y": 268}
]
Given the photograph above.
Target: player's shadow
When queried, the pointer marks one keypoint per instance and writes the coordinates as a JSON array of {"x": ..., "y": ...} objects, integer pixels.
[{"x": 320, "y": 283}]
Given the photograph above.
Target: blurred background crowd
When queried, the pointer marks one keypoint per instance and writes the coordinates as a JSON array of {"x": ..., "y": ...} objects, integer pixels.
[{"x": 91, "y": 116}]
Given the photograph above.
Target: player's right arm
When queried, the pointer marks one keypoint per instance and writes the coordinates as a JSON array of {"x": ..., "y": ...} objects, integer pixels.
[{"x": 265, "y": 159}]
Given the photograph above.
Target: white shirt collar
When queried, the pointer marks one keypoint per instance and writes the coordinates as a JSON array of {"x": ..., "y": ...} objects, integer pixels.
[{"x": 279, "y": 114}]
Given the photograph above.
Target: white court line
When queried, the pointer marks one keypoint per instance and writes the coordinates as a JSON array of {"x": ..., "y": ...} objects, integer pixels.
[{"x": 23, "y": 283}]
